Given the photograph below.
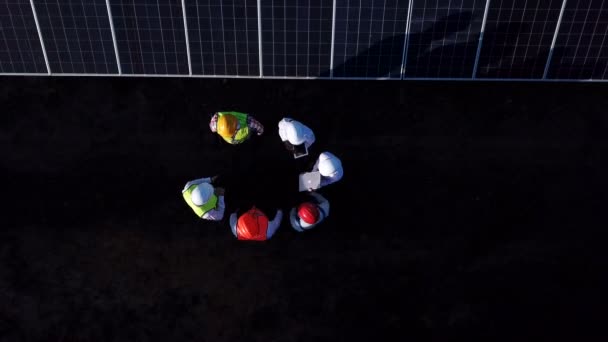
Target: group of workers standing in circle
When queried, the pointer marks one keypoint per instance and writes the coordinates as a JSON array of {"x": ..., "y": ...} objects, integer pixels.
[{"x": 207, "y": 201}]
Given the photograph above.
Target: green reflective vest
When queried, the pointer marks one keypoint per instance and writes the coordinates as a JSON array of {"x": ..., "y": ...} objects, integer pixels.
[
  {"x": 243, "y": 132},
  {"x": 203, "y": 209}
]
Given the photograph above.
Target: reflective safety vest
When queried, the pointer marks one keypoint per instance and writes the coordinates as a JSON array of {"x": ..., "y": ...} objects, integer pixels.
[
  {"x": 242, "y": 133},
  {"x": 203, "y": 209},
  {"x": 252, "y": 225}
]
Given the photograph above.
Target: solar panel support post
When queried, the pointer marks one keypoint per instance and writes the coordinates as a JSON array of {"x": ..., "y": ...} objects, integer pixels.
[
  {"x": 46, "y": 59},
  {"x": 482, "y": 30},
  {"x": 333, "y": 41},
  {"x": 406, "y": 39},
  {"x": 186, "y": 37},
  {"x": 260, "y": 37},
  {"x": 550, "y": 55},
  {"x": 113, "y": 37}
]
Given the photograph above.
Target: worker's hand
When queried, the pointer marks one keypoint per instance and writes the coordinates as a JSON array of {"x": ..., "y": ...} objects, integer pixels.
[
  {"x": 289, "y": 146},
  {"x": 219, "y": 191},
  {"x": 214, "y": 178}
]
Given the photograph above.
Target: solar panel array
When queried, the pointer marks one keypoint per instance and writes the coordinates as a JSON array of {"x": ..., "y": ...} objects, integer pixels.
[{"x": 342, "y": 39}]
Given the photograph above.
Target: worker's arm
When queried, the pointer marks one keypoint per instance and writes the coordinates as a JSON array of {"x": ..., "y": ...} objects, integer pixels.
[
  {"x": 309, "y": 136},
  {"x": 255, "y": 125},
  {"x": 334, "y": 178},
  {"x": 315, "y": 168},
  {"x": 322, "y": 202},
  {"x": 213, "y": 123},
  {"x": 218, "y": 213},
  {"x": 196, "y": 182},
  {"x": 295, "y": 220},
  {"x": 274, "y": 224},
  {"x": 233, "y": 220}
]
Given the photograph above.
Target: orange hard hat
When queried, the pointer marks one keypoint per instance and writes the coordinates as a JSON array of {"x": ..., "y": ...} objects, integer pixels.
[
  {"x": 227, "y": 125},
  {"x": 252, "y": 225},
  {"x": 308, "y": 212}
]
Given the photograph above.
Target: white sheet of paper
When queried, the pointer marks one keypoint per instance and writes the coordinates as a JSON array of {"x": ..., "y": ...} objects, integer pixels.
[{"x": 309, "y": 180}]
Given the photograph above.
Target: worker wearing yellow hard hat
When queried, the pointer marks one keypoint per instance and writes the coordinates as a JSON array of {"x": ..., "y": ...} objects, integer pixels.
[{"x": 235, "y": 127}]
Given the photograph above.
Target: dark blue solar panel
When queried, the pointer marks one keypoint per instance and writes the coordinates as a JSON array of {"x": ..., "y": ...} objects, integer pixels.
[
  {"x": 150, "y": 36},
  {"x": 77, "y": 36},
  {"x": 296, "y": 37},
  {"x": 300, "y": 38},
  {"x": 444, "y": 37},
  {"x": 370, "y": 38},
  {"x": 518, "y": 38},
  {"x": 581, "y": 48},
  {"x": 20, "y": 48},
  {"x": 223, "y": 37}
]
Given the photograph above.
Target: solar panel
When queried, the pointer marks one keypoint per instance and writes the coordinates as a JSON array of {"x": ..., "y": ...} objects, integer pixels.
[
  {"x": 443, "y": 38},
  {"x": 517, "y": 38},
  {"x": 150, "y": 36},
  {"x": 20, "y": 49},
  {"x": 581, "y": 48},
  {"x": 369, "y": 38},
  {"x": 296, "y": 37},
  {"x": 77, "y": 36},
  {"x": 223, "y": 36},
  {"x": 362, "y": 39}
]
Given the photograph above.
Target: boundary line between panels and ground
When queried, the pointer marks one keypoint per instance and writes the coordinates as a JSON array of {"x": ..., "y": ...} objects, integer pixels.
[{"x": 447, "y": 79}]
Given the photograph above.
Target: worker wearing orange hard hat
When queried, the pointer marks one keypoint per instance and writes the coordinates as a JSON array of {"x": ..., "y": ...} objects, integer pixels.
[
  {"x": 309, "y": 214},
  {"x": 254, "y": 225},
  {"x": 235, "y": 127}
]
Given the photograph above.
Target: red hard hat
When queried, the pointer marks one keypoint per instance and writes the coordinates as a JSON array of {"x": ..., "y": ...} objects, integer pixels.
[
  {"x": 252, "y": 225},
  {"x": 308, "y": 212}
]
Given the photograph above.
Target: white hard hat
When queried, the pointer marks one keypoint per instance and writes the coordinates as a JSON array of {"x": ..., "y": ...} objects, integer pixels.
[
  {"x": 329, "y": 164},
  {"x": 293, "y": 130},
  {"x": 201, "y": 194}
]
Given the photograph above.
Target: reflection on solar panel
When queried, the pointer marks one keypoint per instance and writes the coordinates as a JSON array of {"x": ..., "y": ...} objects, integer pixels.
[
  {"x": 370, "y": 37},
  {"x": 296, "y": 37},
  {"x": 580, "y": 49},
  {"x": 223, "y": 37},
  {"x": 77, "y": 36},
  {"x": 353, "y": 39},
  {"x": 518, "y": 38},
  {"x": 444, "y": 39},
  {"x": 20, "y": 50},
  {"x": 150, "y": 36}
]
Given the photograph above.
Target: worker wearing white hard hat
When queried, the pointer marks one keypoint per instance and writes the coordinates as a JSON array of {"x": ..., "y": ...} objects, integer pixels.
[
  {"x": 294, "y": 133},
  {"x": 330, "y": 168},
  {"x": 206, "y": 201}
]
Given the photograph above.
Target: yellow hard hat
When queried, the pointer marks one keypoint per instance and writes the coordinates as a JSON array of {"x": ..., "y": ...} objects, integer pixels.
[{"x": 227, "y": 125}]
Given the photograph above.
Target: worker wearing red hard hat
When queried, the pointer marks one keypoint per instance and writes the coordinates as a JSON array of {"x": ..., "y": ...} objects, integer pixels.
[
  {"x": 206, "y": 201},
  {"x": 309, "y": 214},
  {"x": 254, "y": 225},
  {"x": 235, "y": 127}
]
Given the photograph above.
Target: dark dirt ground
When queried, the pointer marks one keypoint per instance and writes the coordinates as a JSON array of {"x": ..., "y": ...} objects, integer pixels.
[{"x": 467, "y": 210}]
